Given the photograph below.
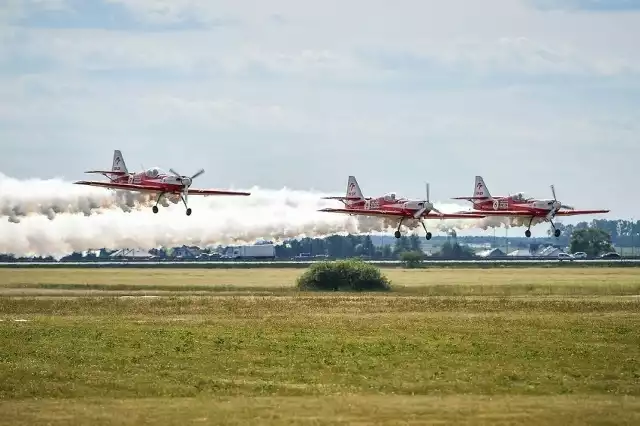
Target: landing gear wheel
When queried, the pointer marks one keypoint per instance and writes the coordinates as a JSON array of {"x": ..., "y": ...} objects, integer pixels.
[
  {"x": 556, "y": 233},
  {"x": 397, "y": 234},
  {"x": 527, "y": 233},
  {"x": 189, "y": 212},
  {"x": 428, "y": 236},
  {"x": 155, "y": 209}
]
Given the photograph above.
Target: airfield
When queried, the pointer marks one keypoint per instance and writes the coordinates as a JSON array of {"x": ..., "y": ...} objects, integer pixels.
[{"x": 527, "y": 344}]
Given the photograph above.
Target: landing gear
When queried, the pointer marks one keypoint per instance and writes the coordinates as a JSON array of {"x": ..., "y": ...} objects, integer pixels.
[
  {"x": 184, "y": 201},
  {"x": 556, "y": 231},
  {"x": 527, "y": 233},
  {"x": 397, "y": 234},
  {"x": 155, "y": 208},
  {"x": 428, "y": 234}
]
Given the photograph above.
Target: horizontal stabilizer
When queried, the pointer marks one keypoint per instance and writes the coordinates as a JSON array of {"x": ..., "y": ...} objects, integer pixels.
[
  {"x": 342, "y": 198},
  {"x": 107, "y": 172},
  {"x": 471, "y": 198}
]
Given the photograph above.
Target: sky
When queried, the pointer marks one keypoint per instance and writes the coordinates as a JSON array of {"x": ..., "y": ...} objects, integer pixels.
[{"x": 302, "y": 94}]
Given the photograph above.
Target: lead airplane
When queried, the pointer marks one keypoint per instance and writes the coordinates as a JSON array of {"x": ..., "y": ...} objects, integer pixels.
[
  {"x": 518, "y": 205},
  {"x": 392, "y": 207},
  {"x": 153, "y": 180}
]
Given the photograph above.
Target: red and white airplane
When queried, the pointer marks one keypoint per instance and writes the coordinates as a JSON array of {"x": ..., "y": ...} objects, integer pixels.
[
  {"x": 390, "y": 206},
  {"x": 520, "y": 206},
  {"x": 153, "y": 180}
]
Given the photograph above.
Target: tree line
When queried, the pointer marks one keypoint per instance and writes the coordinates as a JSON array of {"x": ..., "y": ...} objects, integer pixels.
[{"x": 622, "y": 233}]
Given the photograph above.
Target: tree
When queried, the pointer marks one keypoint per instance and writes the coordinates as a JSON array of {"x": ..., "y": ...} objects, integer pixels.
[
  {"x": 592, "y": 241},
  {"x": 414, "y": 243},
  {"x": 402, "y": 244},
  {"x": 455, "y": 251}
]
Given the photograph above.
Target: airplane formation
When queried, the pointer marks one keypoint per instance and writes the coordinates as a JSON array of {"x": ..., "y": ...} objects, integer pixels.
[{"x": 157, "y": 181}]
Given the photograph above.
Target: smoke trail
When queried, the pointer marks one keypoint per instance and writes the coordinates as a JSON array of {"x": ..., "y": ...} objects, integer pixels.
[
  {"x": 266, "y": 214},
  {"x": 51, "y": 197},
  {"x": 91, "y": 218}
]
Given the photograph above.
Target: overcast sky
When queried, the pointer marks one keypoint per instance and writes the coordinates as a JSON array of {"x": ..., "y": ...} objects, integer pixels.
[{"x": 303, "y": 93}]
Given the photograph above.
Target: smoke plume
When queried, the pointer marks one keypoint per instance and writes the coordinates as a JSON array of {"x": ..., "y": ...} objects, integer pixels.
[
  {"x": 22, "y": 198},
  {"x": 93, "y": 218}
]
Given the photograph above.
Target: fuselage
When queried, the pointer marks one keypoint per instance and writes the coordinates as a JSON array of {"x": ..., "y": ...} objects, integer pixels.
[
  {"x": 536, "y": 207},
  {"x": 155, "y": 177},
  {"x": 388, "y": 202}
]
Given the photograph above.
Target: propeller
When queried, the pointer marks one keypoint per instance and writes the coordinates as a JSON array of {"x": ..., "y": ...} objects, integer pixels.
[
  {"x": 555, "y": 204},
  {"x": 427, "y": 205},
  {"x": 186, "y": 181}
]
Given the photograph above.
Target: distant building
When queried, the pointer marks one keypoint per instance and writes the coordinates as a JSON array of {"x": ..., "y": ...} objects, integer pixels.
[
  {"x": 186, "y": 252},
  {"x": 548, "y": 251},
  {"x": 131, "y": 254},
  {"x": 520, "y": 253},
  {"x": 494, "y": 252}
]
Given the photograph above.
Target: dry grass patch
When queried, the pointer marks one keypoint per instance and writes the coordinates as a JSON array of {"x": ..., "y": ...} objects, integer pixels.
[
  {"x": 442, "y": 281},
  {"x": 561, "y": 410}
]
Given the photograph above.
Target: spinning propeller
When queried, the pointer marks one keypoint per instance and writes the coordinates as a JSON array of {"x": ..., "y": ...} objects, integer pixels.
[
  {"x": 427, "y": 205},
  {"x": 186, "y": 181},
  {"x": 556, "y": 205}
]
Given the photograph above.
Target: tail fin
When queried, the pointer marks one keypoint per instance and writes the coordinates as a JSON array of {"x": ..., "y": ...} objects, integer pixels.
[
  {"x": 118, "y": 162},
  {"x": 480, "y": 189},
  {"x": 354, "y": 193},
  {"x": 480, "y": 192}
]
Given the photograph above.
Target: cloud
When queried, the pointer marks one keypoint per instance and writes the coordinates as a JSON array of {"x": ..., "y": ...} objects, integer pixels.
[
  {"x": 303, "y": 94},
  {"x": 588, "y": 5}
]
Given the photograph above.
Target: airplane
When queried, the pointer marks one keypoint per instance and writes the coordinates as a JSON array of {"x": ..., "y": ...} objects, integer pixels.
[
  {"x": 391, "y": 207},
  {"x": 518, "y": 205},
  {"x": 153, "y": 180}
]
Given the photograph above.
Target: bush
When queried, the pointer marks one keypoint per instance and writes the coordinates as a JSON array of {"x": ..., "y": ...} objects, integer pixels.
[
  {"x": 343, "y": 275},
  {"x": 411, "y": 259}
]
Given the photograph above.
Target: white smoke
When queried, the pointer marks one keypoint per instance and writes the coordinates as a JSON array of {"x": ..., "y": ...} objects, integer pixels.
[
  {"x": 22, "y": 198},
  {"x": 93, "y": 218}
]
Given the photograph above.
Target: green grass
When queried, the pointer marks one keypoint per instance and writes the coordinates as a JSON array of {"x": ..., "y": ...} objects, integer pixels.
[{"x": 571, "y": 357}]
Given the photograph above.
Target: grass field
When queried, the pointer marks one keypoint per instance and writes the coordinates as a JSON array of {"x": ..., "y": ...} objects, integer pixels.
[
  {"x": 433, "y": 281},
  {"x": 495, "y": 347}
]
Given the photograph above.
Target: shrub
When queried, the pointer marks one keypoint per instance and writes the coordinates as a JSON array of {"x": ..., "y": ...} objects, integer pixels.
[
  {"x": 343, "y": 275},
  {"x": 411, "y": 259}
]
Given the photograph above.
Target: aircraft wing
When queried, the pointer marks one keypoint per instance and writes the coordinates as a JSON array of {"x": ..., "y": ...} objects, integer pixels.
[
  {"x": 578, "y": 212},
  {"x": 395, "y": 213},
  {"x": 215, "y": 192},
  {"x": 125, "y": 186},
  {"x": 529, "y": 214},
  {"x": 506, "y": 213}
]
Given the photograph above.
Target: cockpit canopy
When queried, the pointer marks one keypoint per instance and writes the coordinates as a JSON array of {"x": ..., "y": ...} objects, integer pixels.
[
  {"x": 391, "y": 196},
  {"x": 519, "y": 196},
  {"x": 154, "y": 172}
]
